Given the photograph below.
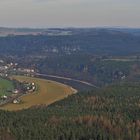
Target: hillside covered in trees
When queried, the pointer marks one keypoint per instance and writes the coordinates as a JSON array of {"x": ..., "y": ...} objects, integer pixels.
[
  {"x": 110, "y": 113},
  {"x": 91, "y": 41},
  {"x": 83, "y": 54}
]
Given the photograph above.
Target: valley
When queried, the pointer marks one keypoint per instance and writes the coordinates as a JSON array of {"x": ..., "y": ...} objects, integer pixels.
[
  {"x": 70, "y": 84},
  {"x": 69, "y": 70}
]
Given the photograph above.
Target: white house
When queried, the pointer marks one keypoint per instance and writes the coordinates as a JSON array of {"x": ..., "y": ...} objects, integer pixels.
[{"x": 16, "y": 101}]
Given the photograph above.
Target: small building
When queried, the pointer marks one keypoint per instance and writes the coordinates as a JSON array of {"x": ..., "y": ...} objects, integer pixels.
[
  {"x": 6, "y": 67},
  {"x": 4, "y": 97},
  {"x": 16, "y": 64},
  {"x": 16, "y": 101},
  {"x": 15, "y": 91},
  {"x": 33, "y": 84},
  {"x": 33, "y": 88},
  {"x": 123, "y": 77},
  {"x": 28, "y": 88}
]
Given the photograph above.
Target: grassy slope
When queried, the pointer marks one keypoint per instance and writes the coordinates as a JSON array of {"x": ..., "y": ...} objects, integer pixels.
[{"x": 47, "y": 92}]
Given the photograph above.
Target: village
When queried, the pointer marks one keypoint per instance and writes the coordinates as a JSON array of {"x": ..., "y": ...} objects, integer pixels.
[{"x": 19, "y": 88}]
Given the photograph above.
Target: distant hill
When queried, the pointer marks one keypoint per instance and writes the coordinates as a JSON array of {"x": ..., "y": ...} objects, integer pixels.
[
  {"x": 134, "y": 31},
  {"x": 63, "y": 31},
  {"x": 32, "y": 31},
  {"x": 18, "y": 31},
  {"x": 69, "y": 41}
]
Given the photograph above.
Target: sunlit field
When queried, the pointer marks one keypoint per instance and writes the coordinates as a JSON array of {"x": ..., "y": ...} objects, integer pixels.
[{"x": 46, "y": 93}]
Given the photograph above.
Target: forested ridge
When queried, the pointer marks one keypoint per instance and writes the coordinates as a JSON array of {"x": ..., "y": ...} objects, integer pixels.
[
  {"x": 80, "y": 55},
  {"x": 110, "y": 113},
  {"x": 101, "y": 41}
]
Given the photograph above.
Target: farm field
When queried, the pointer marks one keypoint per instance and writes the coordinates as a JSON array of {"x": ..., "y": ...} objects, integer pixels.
[
  {"x": 46, "y": 93},
  {"x": 5, "y": 86}
]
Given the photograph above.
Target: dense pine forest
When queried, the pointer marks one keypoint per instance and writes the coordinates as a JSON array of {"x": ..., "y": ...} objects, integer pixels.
[{"x": 110, "y": 113}]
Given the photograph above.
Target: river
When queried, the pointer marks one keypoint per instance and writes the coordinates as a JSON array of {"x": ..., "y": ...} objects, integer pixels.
[{"x": 77, "y": 84}]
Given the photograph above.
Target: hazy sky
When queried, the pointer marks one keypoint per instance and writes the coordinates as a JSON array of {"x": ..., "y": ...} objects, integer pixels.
[{"x": 69, "y": 13}]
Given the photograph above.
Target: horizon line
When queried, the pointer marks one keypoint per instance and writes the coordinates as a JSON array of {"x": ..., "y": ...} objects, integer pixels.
[{"x": 69, "y": 27}]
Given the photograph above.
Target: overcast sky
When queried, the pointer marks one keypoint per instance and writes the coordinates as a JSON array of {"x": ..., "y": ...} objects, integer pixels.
[{"x": 69, "y": 13}]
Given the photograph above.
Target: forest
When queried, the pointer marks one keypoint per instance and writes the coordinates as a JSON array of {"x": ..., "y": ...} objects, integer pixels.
[{"x": 110, "y": 113}]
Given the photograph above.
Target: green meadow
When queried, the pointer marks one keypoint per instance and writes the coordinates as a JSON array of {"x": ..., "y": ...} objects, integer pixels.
[{"x": 5, "y": 86}]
